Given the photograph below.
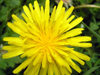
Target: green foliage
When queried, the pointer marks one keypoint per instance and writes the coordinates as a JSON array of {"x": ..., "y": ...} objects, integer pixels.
[
  {"x": 92, "y": 28},
  {"x": 1, "y": 1},
  {"x": 9, "y": 63},
  {"x": 85, "y": 1},
  {"x": 3, "y": 13},
  {"x": 91, "y": 70},
  {"x": 91, "y": 24},
  {"x": 12, "y": 3},
  {"x": 2, "y": 72},
  {"x": 5, "y": 63}
]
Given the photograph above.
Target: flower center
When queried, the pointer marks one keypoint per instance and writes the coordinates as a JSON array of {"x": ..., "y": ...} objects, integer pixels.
[{"x": 46, "y": 41}]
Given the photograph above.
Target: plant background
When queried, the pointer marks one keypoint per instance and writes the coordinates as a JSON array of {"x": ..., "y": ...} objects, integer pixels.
[{"x": 91, "y": 24}]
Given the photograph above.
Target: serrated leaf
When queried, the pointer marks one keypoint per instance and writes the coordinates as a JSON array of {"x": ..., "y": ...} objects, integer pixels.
[{"x": 93, "y": 26}]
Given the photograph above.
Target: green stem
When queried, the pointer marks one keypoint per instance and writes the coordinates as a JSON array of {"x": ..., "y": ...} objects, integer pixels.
[
  {"x": 87, "y": 6},
  {"x": 94, "y": 33}
]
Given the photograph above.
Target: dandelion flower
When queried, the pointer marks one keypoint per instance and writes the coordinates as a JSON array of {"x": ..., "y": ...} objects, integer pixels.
[{"x": 46, "y": 40}]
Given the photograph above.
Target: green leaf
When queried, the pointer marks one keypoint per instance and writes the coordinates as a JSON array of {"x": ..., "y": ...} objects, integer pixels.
[
  {"x": 12, "y": 61},
  {"x": 30, "y": 1},
  {"x": 91, "y": 70},
  {"x": 12, "y": 3},
  {"x": 1, "y": 1},
  {"x": 2, "y": 72},
  {"x": 41, "y": 2},
  {"x": 93, "y": 32},
  {"x": 97, "y": 62},
  {"x": 85, "y": 1},
  {"x": 89, "y": 64},
  {"x": 3, "y": 64},
  {"x": 89, "y": 1},
  {"x": 3, "y": 13},
  {"x": 93, "y": 26}
]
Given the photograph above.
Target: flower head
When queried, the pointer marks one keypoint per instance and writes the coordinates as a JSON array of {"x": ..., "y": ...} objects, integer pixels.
[{"x": 47, "y": 40}]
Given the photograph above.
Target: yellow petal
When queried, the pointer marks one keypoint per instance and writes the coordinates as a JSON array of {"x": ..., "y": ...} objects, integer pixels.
[
  {"x": 19, "y": 23},
  {"x": 49, "y": 58},
  {"x": 15, "y": 17},
  {"x": 75, "y": 22},
  {"x": 53, "y": 14},
  {"x": 14, "y": 28},
  {"x": 70, "y": 19},
  {"x": 64, "y": 71},
  {"x": 73, "y": 65},
  {"x": 27, "y": 12},
  {"x": 14, "y": 40},
  {"x": 22, "y": 66},
  {"x": 76, "y": 59},
  {"x": 79, "y": 44},
  {"x": 59, "y": 21},
  {"x": 32, "y": 37},
  {"x": 56, "y": 70},
  {"x": 67, "y": 72},
  {"x": 62, "y": 52},
  {"x": 44, "y": 61},
  {"x": 12, "y": 54},
  {"x": 50, "y": 69},
  {"x": 31, "y": 27},
  {"x": 71, "y": 33},
  {"x": 69, "y": 11},
  {"x": 47, "y": 8},
  {"x": 37, "y": 59},
  {"x": 11, "y": 48},
  {"x": 43, "y": 18},
  {"x": 29, "y": 69},
  {"x": 79, "y": 39},
  {"x": 32, "y": 70},
  {"x": 58, "y": 9},
  {"x": 67, "y": 66},
  {"x": 59, "y": 59},
  {"x": 30, "y": 52},
  {"x": 37, "y": 8},
  {"x": 81, "y": 56},
  {"x": 26, "y": 18},
  {"x": 66, "y": 49},
  {"x": 37, "y": 69},
  {"x": 31, "y": 7},
  {"x": 43, "y": 71}
]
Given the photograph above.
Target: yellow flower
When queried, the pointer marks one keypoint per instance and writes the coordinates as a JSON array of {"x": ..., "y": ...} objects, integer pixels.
[{"x": 46, "y": 40}]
